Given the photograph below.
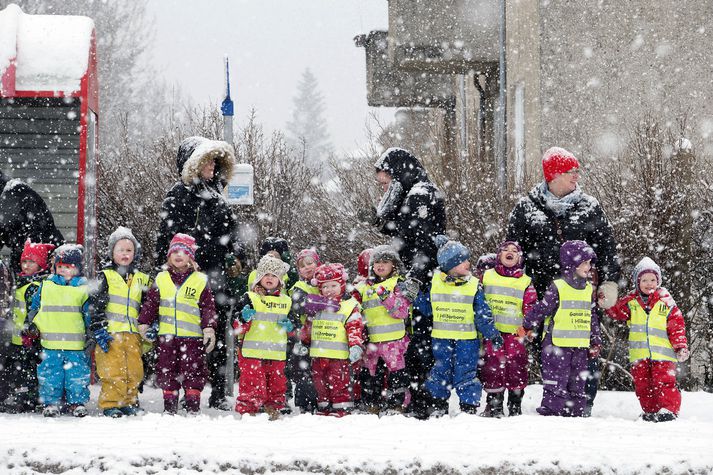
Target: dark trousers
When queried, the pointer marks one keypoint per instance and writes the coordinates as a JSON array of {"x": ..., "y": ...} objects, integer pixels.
[
  {"x": 20, "y": 377},
  {"x": 218, "y": 358},
  {"x": 299, "y": 375}
]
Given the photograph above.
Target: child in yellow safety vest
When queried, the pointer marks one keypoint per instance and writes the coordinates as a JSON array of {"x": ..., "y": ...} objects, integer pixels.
[
  {"x": 299, "y": 365},
  {"x": 657, "y": 341},
  {"x": 454, "y": 299},
  {"x": 182, "y": 302},
  {"x": 115, "y": 301},
  {"x": 510, "y": 295},
  {"x": 386, "y": 312},
  {"x": 60, "y": 313},
  {"x": 264, "y": 317},
  {"x": 24, "y": 353},
  {"x": 571, "y": 333},
  {"x": 334, "y": 330}
]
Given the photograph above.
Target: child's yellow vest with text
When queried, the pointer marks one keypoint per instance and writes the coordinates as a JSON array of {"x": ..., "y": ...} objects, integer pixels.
[
  {"x": 381, "y": 326},
  {"x": 122, "y": 311},
  {"x": 179, "y": 313},
  {"x": 648, "y": 336},
  {"x": 329, "y": 333},
  {"x": 452, "y": 305},
  {"x": 60, "y": 319},
  {"x": 573, "y": 320},
  {"x": 505, "y": 297},
  {"x": 266, "y": 339}
]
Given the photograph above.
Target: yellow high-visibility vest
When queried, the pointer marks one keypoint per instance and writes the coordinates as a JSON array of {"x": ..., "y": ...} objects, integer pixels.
[
  {"x": 122, "y": 311},
  {"x": 453, "y": 315},
  {"x": 329, "y": 333},
  {"x": 648, "y": 335},
  {"x": 505, "y": 297},
  {"x": 307, "y": 289},
  {"x": 20, "y": 312},
  {"x": 573, "y": 320},
  {"x": 60, "y": 318},
  {"x": 382, "y": 326},
  {"x": 178, "y": 311},
  {"x": 266, "y": 339}
]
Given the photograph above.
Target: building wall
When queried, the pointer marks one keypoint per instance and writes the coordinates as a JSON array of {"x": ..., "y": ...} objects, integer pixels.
[{"x": 605, "y": 64}]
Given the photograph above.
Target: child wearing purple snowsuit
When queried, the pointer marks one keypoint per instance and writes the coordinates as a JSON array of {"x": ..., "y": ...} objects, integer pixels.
[{"x": 571, "y": 333}]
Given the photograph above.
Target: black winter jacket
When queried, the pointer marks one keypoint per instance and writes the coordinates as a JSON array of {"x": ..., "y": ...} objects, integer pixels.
[
  {"x": 540, "y": 233},
  {"x": 24, "y": 214},
  {"x": 196, "y": 207},
  {"x": 418, "y": 216}
]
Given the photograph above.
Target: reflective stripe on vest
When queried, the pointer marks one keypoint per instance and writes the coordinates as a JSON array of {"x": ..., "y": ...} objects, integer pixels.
[
  {"x": 329, "y": 334},
  {"x": 20, "y": 312},
  {"x": 453, "y": 315},
  {"x": 122, "y": 311},
  {"x": 61, "y": 323},
  {"x": 266, "y": 339},
  {"x": 382, "y": 326},
  {"x": 178, "y": 310},
  {"x": 573, "y": 321},
  {"x": 505, "y": 296},
  {"x": 648, "y": 337}
]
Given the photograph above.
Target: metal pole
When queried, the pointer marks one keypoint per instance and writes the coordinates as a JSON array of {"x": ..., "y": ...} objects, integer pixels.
[
  {"x": 500, "y": 113},
  {"x": 227, "y": 110}
]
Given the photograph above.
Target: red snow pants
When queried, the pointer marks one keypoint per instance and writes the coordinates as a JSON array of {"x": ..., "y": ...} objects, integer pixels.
[
  {"x": 262, "y": 383},
  {"x": 331, "y": 380},
  {"x": 655, "y": 385}
]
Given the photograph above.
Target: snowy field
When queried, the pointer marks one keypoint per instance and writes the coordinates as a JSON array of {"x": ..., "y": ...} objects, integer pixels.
[{"x": 613, "y": 441}]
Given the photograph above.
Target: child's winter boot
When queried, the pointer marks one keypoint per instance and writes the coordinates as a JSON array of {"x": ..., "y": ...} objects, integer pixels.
[
  {"x": 114, "y": 412},
  {"x": 272, "y": 413},
  {"x": 438, "y": 408},
  {"x": 78, "y": 410},
  {"x": 515, "y": 402},
  {"x": 494, "y": 405},
  {"x": 664, "y": 415},
  {"x": 193, "y": 401},
  {"x": 170, "y": 402},
  {"x": 50, "y": 411},
  {"x": 468, "y": 408}
]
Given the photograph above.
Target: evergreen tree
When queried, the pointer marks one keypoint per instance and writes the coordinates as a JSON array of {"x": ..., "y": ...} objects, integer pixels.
[{"x": 308, "y": 128}]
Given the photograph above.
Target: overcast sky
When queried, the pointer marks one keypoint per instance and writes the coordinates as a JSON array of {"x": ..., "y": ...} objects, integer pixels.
[{"x": 270, "y": 43}]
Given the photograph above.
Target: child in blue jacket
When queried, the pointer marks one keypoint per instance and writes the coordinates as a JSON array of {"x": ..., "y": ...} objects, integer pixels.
[
  {"x": 460, "y": 314},
  {"x": 60, "y": 314}
]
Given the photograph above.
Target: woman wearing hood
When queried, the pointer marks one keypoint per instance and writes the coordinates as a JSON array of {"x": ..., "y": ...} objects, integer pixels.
[
  {"x": 195, "y": 206},
  {"x": 412, "y": 211}
]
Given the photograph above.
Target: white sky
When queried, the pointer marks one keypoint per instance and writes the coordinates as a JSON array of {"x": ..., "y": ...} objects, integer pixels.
[{"x": 270, "y": 43}]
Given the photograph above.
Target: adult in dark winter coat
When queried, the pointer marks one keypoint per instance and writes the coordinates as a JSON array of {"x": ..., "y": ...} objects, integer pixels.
[
  {"x": 412, "y": 211},
  {"x": 24, "y": 214},
  {"x": 195, "y": 206},
  {"x": 556, "y": 211}
]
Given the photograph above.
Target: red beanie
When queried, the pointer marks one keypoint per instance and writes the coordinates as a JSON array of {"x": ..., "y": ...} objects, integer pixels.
[
  {"x": 36, "y": 253},
  {"x": 183, "y": 242},
  {"x": 556, "y": 161},
  {"x": 330, "y": 272},
  {"x": 311, "y": 253},
  {"x": 363, "y": 262}
]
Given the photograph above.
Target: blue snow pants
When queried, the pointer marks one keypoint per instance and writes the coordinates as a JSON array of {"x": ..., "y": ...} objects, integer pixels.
[
  {"x": 455, "y": 367},
  {"x": 63, "y": 372}
]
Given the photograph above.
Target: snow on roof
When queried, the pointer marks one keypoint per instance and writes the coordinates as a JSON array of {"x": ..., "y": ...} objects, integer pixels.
[{"x": 51, "y": 52}]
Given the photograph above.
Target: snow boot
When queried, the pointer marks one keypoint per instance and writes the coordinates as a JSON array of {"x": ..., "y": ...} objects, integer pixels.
[
  {"x": 170, "y": 404},
  {"x": 515, "y": 402},
  {"x": 134, "y": 410},
  {"x": 78, "y": 410},
  {"x": 193, "y": 401},
  {"x": 272, "y": 413},
  {"x": 468, "y": 408},
  {"x": 50, "y": 411},
  {"x": 664, "y": 415},
  {"x": 648, "y": 416},
  {"x": 494, "y": 405},
  {"x": 221, "y": 405},
  {"x": 437, "y": 408},
  {"x": 114, "y": 412}
]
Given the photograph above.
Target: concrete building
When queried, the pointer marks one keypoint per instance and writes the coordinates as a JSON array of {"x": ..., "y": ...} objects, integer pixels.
[{"x": 578, "y": 73}]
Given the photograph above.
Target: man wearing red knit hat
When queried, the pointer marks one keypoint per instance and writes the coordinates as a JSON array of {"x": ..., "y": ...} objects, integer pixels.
[{"x": 555, "y": 211}]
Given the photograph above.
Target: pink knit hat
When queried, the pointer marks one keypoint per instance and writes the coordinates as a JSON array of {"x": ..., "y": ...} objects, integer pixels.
[{"x": 183, "y": 242}]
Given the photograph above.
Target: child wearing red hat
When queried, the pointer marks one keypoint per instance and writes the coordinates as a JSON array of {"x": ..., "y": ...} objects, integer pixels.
[
  {"x": 24, "y": 353},
  {"x": 182, "y": 302},
  {"x": 334, "y": 330}
]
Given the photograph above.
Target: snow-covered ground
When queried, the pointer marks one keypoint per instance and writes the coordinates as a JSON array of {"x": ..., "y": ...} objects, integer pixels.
[{"x": 613, "y": 440}]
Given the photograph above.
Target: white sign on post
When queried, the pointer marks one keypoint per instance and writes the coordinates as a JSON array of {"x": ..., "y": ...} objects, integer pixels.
[{"x": 240, "y": 188}]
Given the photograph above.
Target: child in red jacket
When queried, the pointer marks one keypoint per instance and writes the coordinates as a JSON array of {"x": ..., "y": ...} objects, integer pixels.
[
  {"x": 334, "y": 331},
  {"x": 657, "y": 340}
]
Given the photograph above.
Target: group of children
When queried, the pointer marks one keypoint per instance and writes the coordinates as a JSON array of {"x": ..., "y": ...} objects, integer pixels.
[{"x": 335, "y": 346}]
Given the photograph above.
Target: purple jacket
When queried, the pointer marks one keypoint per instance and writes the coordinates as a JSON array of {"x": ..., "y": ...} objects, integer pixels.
[{"x": 547, "y": 307}]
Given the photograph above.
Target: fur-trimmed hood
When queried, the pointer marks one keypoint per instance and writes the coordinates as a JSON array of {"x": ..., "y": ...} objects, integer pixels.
[{"x": 194, "y": 152}]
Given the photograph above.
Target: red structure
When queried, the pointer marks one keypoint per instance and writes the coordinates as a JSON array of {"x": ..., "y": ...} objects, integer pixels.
[{"x": 49, "y": 112}]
